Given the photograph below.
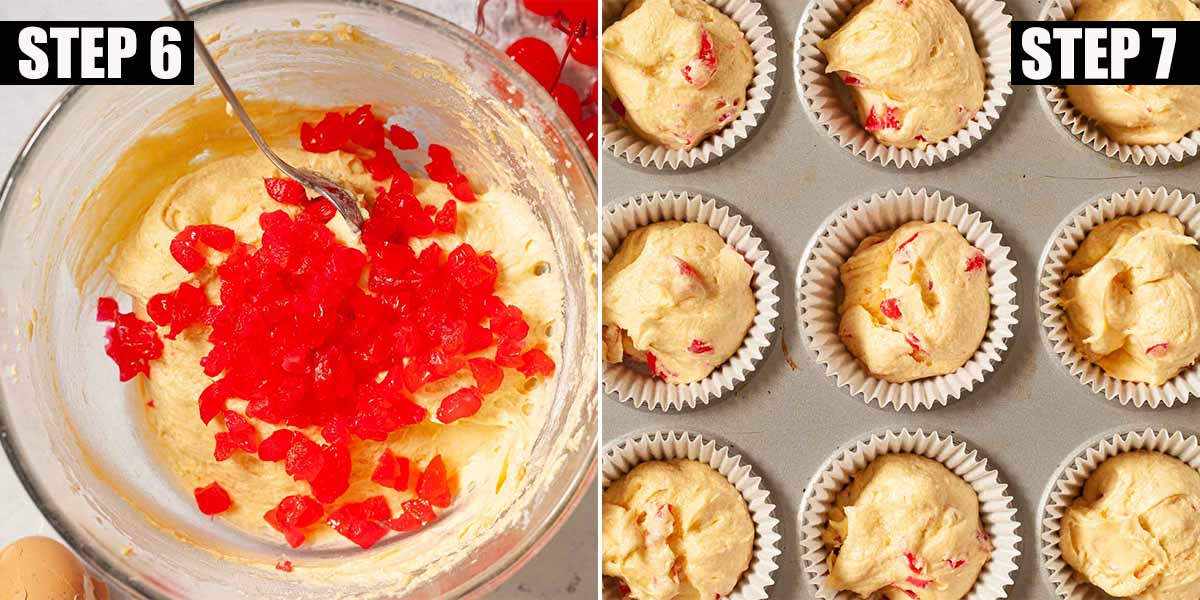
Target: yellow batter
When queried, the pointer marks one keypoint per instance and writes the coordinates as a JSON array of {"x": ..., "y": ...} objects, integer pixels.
[
  {"x": 1135, "y": 532},
  {"x": 654, "y": 63},
  {"x": 678, "y": 292},
  {"x": 1132, "y": 298},
  {"x": 912, "y": 68},
  {"x": 916, "y": 301},
  {"x": 906, "y": 527},
  {"x": 676, "y": 530},
  {"x": 485, "y": 451},
  {"x": 1139, "y": 114}
]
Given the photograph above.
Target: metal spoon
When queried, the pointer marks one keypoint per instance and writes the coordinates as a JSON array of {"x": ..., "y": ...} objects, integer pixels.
[{"x": 343, "y": 200}]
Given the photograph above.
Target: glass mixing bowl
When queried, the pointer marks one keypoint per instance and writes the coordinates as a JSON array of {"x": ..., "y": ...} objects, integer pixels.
[{"x": 72, "y": 431}]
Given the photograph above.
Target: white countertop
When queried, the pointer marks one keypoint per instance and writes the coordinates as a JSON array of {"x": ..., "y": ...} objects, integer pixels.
[{"x": 565, "y": 568}]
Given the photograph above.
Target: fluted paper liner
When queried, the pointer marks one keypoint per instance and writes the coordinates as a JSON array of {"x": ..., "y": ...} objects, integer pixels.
[
  {"x": 755, "y": 27},
  {"x": 818, "y": 294},
  {"x": 621, "y": 456},
  {"x": 997, "y": 514},
  {"x": 1085, "y": 129},
  {"x": 1068, "y": 484},
  {"x": 1052, "y": 274},
  {"x": 651, "y": 392},
  {"x": 836, "y": 116}
]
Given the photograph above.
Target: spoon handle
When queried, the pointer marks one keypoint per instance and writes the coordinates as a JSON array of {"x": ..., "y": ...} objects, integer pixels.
[{"x": 222, "y": 84}]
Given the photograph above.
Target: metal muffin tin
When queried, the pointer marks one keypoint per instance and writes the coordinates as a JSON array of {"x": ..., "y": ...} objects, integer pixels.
[{"x": 1027, "y": 417}]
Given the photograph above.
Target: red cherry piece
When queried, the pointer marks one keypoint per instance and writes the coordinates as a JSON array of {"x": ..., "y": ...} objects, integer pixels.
[
  {"x": 918, "y": 582},
  {"x": 391, "y": 471},
  {"x": 184, "y": 307},
  {"x": 537, "y": 58},
  {"x": 700, "y": 70},
  {"x": 298, "y": 511},
  {"x": 183, "y": 246},
  {"x": 417, "y": 513},
  {"x": 975, "y": 263},
  {"x": 285, "y": 191},
  {"x": 357, "y": 522},
  {"x": 536, "y": 362},
  {"x": 655, "y": 368},
  {"x": 460, "y": 405},
  {"x": 330, "y": 134},
  {"x": 912, "y": 563},
  {"x": 699, "y": 347},
  {"x": 890, "y": 308},
  {"x": 212, "y": 499},
  {"x": 432, "y": 485},
  {"x": 905, "y": 243},
  {"x": 1158, "y": 349},
  {"x": 276, "y": 446},
  {"x": 446, "y": 220},
  {"x": 106, "y": 309},
  {"x": 364, "y": 128},
  {"x": 918, "y": 353},
  {"x": 382, "y": 166},
  {"x": 402, "y": 138},
  {"x": 488, "y": 375},
  {"x": 886, "y": 119},
  {"x": 132, "y": 344},
  {"x": 284, "y": 565},
  {"x": 304, "y": 459}
]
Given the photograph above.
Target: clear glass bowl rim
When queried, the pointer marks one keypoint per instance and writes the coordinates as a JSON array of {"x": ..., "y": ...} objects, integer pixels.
[{"x": 533, "y": 92}]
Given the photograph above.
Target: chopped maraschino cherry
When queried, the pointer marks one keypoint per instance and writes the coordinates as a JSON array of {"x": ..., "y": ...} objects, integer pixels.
[
  {"x": 284, "y": 565},
  {"x": 417, "y": 514},
  {"x": 886, "y": 119},
  {"x": 975, "y": 263},
  {"x": 132, "y": 342},
  {"x": 212, "y": 499},
  {"x": 360, "y": 521},
  {"x": 890, "y": 308},
  {"x": 488, "y": 375},
  {"x": 460, "y": 405},
  {"x": 700, "y": 70},
  {"x": 184, "y": 307},
  {"x": 285, "y": 191},
  {"x": 183, "y": 247},
  {"x": 433, "y": 485},
  {"x": 700, "y": 347},
  {"x": 912, "y": 563},
  {"x": 391, "y": 471}
]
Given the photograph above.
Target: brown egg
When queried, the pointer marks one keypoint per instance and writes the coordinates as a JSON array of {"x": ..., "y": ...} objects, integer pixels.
[{"x": 39, "y": 568}]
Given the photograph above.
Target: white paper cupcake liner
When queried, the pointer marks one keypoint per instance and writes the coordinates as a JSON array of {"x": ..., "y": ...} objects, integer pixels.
[
  {"x": 818, "y": 285},
  {"x": 754, "y": 25},
  {"x": 996, "y": 511},
  {"x": 621, "y": 456},
  {"x": 989, "y": 24},
  {"x": 1052, "y": 273},
  {"x": 1085, "y": 130},
  {"x": 651, "y": 392},
  {"x": 1068, "y": 484}
]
